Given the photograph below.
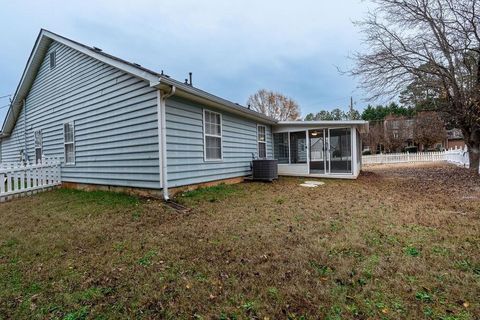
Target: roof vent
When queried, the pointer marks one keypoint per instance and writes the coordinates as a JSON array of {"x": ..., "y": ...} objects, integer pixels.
[
  {"x": 53, "y": 59},
  {"x": 97, "y": 49},
  {"x": 136, "y": 64}
]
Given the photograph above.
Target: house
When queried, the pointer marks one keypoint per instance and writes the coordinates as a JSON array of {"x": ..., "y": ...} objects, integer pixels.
[
  {"x": 423, "y": 132},
  {"x": 115, "y": 123},
  {"x": 398, "y": 132},
  {"x": 454, "y": 139}
]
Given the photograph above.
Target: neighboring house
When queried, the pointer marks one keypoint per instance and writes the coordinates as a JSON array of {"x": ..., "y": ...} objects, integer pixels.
[
  {"x": 115, "y": 123},
  {"x": 454, "y": 139},
  {"x": 400, "y": 133}
]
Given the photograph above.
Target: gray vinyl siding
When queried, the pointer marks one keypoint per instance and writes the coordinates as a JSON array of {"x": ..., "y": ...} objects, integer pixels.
[
  {"x": 12, "y": 145},
  {"x": 185, "y": 145},
  {"x": 116, "y": 135}
]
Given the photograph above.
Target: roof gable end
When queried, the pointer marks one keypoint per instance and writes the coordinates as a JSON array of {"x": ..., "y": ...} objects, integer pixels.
[{"x": 42, "y": 43}]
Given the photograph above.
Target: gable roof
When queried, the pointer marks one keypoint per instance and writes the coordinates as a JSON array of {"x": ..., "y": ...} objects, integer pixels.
[{"x": 157, "y": 80}]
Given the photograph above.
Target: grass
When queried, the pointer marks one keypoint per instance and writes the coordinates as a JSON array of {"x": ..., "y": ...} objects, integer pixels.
[
  {"x": 211, "y": 194},
  {"x": 398, "y": 243}
]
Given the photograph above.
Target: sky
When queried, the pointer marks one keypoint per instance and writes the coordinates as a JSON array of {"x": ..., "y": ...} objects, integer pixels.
[{"x": 233, "y": 48}]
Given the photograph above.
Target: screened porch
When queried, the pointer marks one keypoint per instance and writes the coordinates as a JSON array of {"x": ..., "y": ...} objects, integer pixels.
[{"x": 310, "y": 149}]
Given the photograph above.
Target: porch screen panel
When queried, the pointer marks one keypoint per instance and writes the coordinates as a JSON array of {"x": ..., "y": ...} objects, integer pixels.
[
  {"x": 298, "y": 147},
  {"x": 280, "y": 147}
]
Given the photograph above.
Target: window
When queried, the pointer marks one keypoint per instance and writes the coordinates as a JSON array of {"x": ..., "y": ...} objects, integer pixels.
[
  {"x": 53, "y": 59},
  {"x": 69, "y": 142},
  {"x": 38, "y": 145},
  {"x": 212, "y": 134},
  {"x": 262, "y": 142},
  {"x": 23, "y": 158},
  {"x": 280, "y": 147}
]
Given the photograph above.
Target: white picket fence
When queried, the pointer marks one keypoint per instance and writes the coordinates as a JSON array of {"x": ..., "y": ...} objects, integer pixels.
[
  {"x": 17, "y": 179},
  {"x": 457, "y": 156}
]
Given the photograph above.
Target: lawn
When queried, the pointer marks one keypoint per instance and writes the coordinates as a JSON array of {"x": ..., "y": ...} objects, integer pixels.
[{"x": 398, "y": 243}]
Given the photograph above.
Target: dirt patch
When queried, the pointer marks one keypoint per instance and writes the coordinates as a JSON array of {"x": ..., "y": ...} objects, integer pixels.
[{"x": 398, "y": 243}]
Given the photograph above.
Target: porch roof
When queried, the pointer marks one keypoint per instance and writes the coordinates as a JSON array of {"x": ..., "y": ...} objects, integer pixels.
[{"x": 283, "y": 126}]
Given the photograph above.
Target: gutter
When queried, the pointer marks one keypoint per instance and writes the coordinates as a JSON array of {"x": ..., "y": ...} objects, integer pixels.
[
  {"x": 199, "y": 95},
  {"x": 162, "y": 138}
]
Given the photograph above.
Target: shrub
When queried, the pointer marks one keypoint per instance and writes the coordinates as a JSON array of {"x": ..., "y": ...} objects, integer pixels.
[{"x": 411, "y": 149}]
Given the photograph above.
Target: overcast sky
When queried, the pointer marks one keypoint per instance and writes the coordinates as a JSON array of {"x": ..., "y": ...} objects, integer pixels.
[{"x": 233, "y": 48}]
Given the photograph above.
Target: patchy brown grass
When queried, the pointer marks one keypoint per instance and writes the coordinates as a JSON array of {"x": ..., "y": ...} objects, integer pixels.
[{"x": 398, "y": 243}]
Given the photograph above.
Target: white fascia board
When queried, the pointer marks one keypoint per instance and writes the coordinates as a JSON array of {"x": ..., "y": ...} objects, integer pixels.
[
  {"x": 138, "y": 72},
  {"x": 324, "y": 122},
  {"x": 286, "y": 126},
  {"x": 43, "y": 40}
]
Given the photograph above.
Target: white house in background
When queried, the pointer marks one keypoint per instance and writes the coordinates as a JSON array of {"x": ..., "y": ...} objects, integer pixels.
[{"x": 115, "y": 123}]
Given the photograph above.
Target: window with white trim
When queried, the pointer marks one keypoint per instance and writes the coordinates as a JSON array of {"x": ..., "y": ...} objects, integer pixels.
[
  {"x": 38, "y": 145},
  {"x": 69, "y": 142},
  {"x": 212, "y": 135},
  {"x": 262, "y": 141}
]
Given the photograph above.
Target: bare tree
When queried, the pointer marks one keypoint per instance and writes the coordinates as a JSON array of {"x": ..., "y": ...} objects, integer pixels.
[
  {"x": 404, "y": 36},
  {"x": 375, "y": 136},
  {"x": 275, "y": 105},
  {"x": 429, "y": 129}
]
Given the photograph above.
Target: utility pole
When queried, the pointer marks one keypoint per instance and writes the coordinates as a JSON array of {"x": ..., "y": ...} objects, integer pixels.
[{"x": 351, "y": 108}]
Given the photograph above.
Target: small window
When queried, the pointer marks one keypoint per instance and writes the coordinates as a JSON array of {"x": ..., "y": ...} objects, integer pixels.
[
  {"x": 212, "y": 131},
  {"x": 69, "y": 142},
  {"x": 262, "y": 142},
  {"x": 53, "y": 59},
  {"x": 38, "y": 146}
]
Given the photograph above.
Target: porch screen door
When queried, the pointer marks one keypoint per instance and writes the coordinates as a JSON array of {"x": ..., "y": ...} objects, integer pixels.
[
  {"x": 340, "y": 150},
  {"x": 318, "y": 147}
]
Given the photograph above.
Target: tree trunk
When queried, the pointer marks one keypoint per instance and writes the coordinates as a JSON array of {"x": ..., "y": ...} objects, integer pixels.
[
  {"x": 474, "y": 155},
  {"x": 473, "y": 143}
]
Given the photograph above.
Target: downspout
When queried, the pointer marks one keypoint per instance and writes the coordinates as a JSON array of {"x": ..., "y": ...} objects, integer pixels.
[
  {"x": 162, "y": 141},
  {"x": 25, "y": 151}
]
